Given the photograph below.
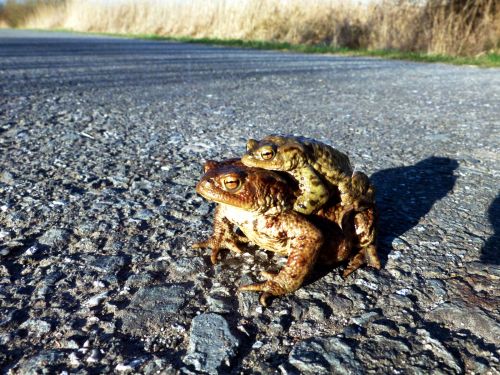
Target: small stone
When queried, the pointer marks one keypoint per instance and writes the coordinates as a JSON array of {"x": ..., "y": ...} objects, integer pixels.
[
  {"x": 144, "y": 214},
  {"x": 74, "y": 361},
  {"x": 403, "y": 292},
  {"x": 37, "y": 327},
  {"x": 353, "y": 330},
  {"x": 211, "y": 344},
  {"x": 6, "y": 316},
  {"x": 130, "y": 366},
  {"x": 96, "y": 300},
  {"x": 188, "y": 266},
  {"x": 469, "y": 318},
  {"x": 109, "y": 264},
  {"x": 365, "y": 318},
  {"x": 325, "y": 355},
  {"x": 7, "y": 178},
  {"x": 70, "y": 344},
  {"x": 45, "y": 362},
  {"x": 54, "y": 237},
  {"x": 150, "y": 306},
  {"x": 248, "y": 301},
  {"x": 341, "y": 305},
  {"x": 257, "y": 345},
  {"x": 399, "y": 244},
  {"x": 4, "y": 271},
  {"x": 139, "y": 280},
  {"x": 318, "y": 311},
  {"x": 366, "y": 284},
  {"x": 4, "y": 251},
  {"x": 5, "y": 338},
  {"x": 94, "y": 356},
  {"x": 439, "y": 350},
  {"x": 32, "y": 250},
  {"x": 220, "y": 304}
]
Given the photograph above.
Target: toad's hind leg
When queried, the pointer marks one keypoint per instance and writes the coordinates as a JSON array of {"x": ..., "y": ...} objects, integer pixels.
[
  {"x": 364, "y": 224},
  {"x": 356, "y": 261},
  {"x": 288, "y": 280},
  {"x": 357, "y": 191},
  {"x": 304, "y": 250}
]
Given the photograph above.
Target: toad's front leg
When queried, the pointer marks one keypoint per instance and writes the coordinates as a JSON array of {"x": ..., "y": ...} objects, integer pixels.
[
  {"x": 314, "y": 193},
  {"x": 304, "y": 243},
  {"x": 223, "y": 237}
]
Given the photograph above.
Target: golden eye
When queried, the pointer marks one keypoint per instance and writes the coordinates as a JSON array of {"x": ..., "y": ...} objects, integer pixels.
[
  {"x": 231, "y": 183},
  {"x": 267, "y": 153}
]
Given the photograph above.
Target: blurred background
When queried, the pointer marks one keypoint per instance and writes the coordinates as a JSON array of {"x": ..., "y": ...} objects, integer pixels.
[{"x": 447, "y": 27}]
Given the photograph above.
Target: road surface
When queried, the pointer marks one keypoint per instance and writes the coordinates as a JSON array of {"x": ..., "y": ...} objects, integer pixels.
[{"x": 101, "y": 143}]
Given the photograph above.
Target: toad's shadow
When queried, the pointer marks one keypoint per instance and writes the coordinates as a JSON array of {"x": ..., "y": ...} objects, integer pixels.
[
  {"x": 491, "y": 249},
  {"x": 406, "y": 194}
]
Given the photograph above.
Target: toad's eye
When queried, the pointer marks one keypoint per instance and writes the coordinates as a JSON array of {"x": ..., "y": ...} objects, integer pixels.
[
  {"x": 231, "y": 184},
  {"x": 267, "y": 153}
]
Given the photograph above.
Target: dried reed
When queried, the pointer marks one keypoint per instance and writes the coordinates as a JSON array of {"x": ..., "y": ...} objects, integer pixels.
[{"x": 453, "y": 27}]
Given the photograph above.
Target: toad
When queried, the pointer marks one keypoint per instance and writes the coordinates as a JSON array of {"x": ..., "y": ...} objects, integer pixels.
[
  {"x": 318, "y": 168},
  {"x": 260, "y": 203},
  {"x": 321, "y": 173}
]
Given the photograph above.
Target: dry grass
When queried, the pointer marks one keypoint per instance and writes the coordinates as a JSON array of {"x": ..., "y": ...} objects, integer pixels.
[{"x": 452, "y": 27}]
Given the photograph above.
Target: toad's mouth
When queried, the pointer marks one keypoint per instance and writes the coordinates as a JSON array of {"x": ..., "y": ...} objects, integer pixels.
[{"x": 207, "y": 190}]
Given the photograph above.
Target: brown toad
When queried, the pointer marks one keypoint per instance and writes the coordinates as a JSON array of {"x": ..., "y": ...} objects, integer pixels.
[{"x": 259, "y": 203}]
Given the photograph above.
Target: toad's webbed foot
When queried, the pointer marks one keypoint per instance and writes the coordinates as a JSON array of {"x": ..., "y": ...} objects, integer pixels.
[
  {"x": 371, "y": 257},
  {"x": 223, "y": 238},
  {"x": 268, "y": 288},
  {"x": 287, "y": 280},
  {"x": 230, "y": 242},
  {"x": 367, "y": 255}
]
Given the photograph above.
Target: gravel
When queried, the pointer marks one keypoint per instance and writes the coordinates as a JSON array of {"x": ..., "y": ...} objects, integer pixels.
[{"x": 101, "y": 143}]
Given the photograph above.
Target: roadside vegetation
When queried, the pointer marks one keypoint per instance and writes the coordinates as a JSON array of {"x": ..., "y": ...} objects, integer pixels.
[{"x": 457, "y": 31}]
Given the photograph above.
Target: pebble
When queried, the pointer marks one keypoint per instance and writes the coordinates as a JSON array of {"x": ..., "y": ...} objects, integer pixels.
[
  {"x": 325, "y": 355},
  {"x": 6, "y": 316},
  {"x": 138, "y": 280},
  {"x": 45, "y": 361},
  {"x": 188, "y": 266},
  {"x": 462, "y": 317},
  {"x": 365, "y": 318},
  {"x": 37, "y": 327},
  {"x": 257, "y": 345},
  {"x": 439, "y": 350},
  {"x": 94, "y": 356},
  {"x": 96, "y": 300},
  {"x": 109, "y": 264},
  {"x": 211, "y": 344},
  {"x": 54, "y": 237},
  {"x": 150, "y": 306},
  {"x": 7, "y": 178}
]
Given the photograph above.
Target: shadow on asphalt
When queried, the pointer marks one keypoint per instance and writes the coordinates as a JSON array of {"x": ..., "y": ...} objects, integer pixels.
[
  {"x": 490, "y": 252},
  {"x": 406, "y": 194}
]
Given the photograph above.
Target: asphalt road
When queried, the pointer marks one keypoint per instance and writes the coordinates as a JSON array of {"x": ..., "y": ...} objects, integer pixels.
[{"x": 101, "y": 143}]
